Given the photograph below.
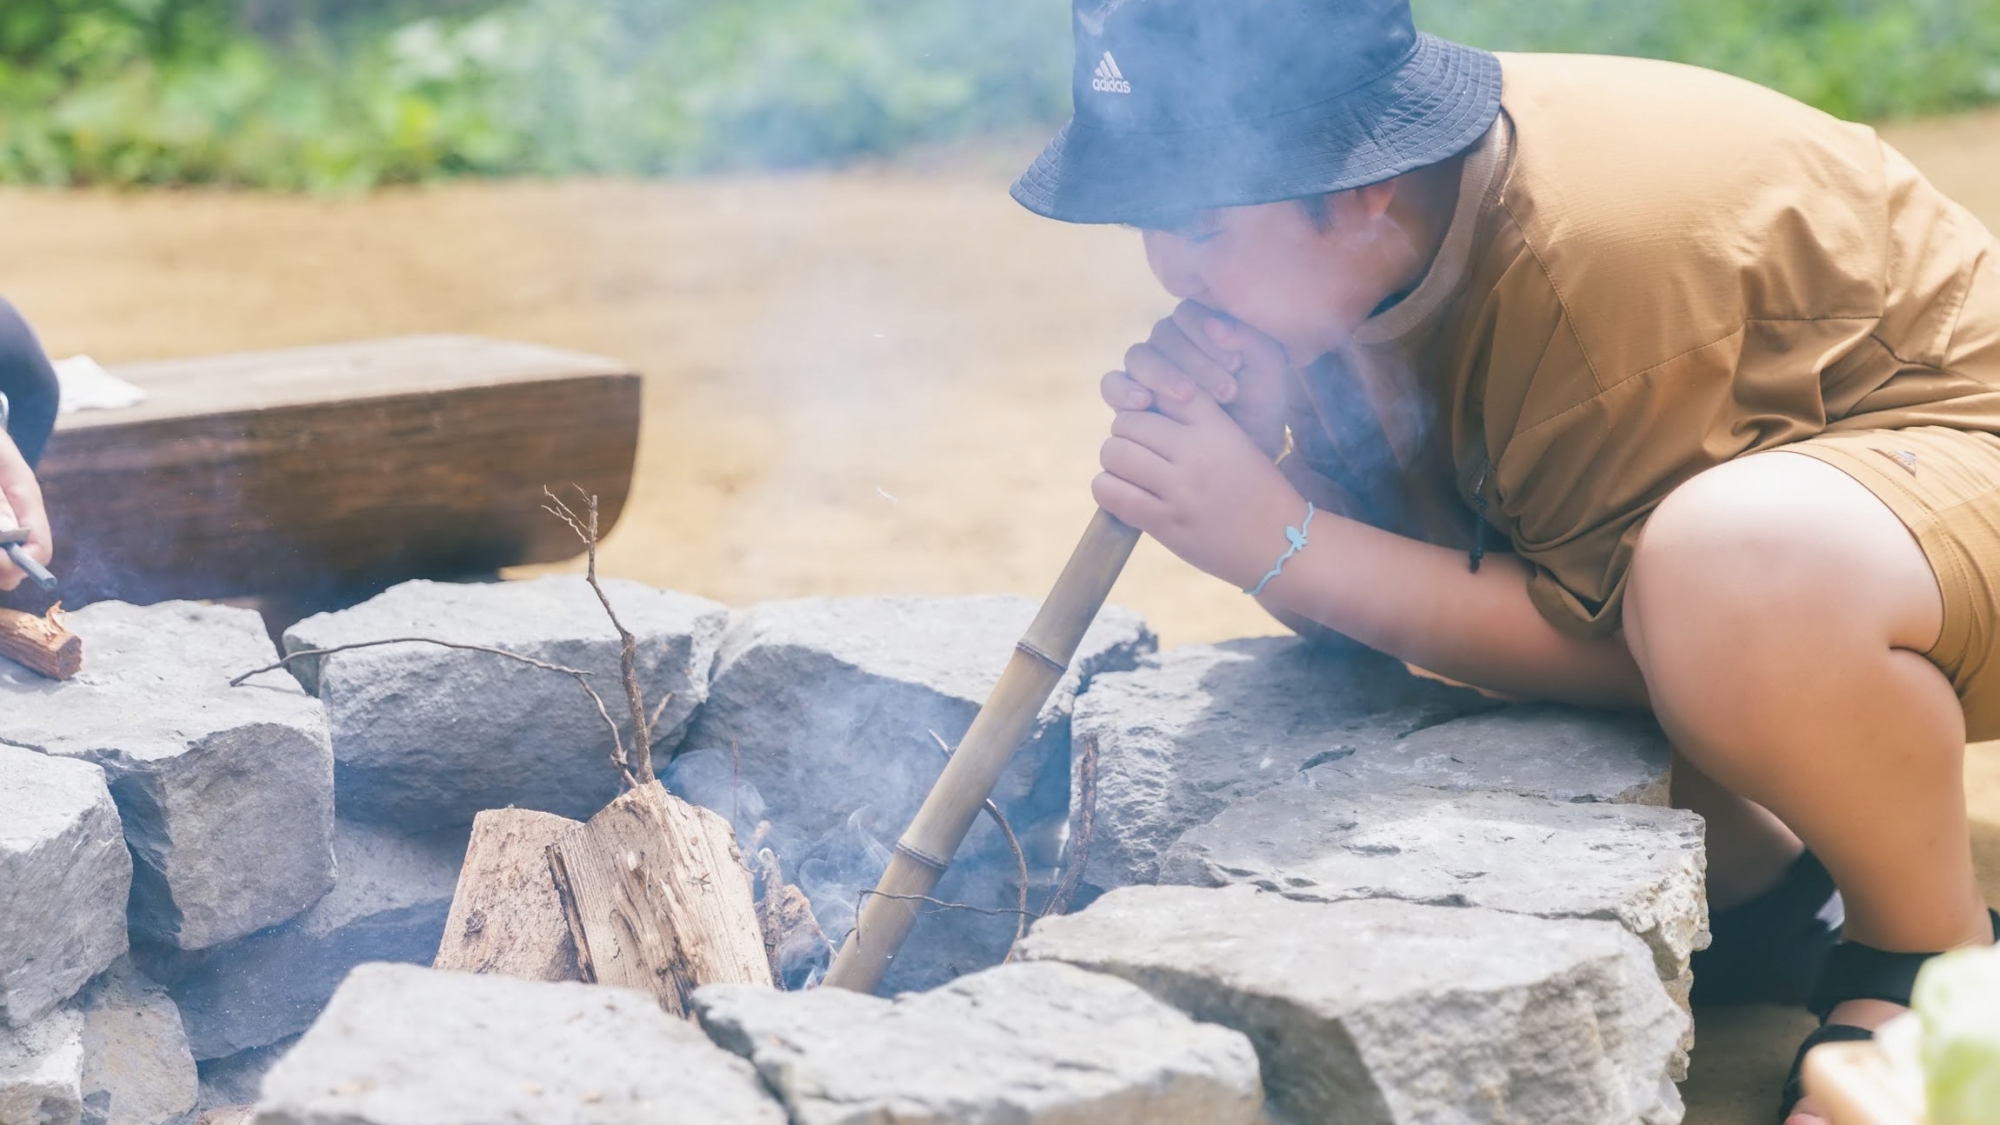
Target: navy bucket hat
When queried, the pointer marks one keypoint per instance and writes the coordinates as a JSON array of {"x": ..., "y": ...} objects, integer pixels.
[{"x": 1186, "y": 105}]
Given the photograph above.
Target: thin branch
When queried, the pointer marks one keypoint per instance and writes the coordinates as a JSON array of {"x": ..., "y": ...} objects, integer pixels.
[
  {"x": 578, "y": 674},
  {"x": 1086, "y": 823},
  {"x": 941, "y": 904},
  {"x": 653, "y": 721},
  {"x": 638, "y": 761},
  {"x": 1013, "y": 844}
]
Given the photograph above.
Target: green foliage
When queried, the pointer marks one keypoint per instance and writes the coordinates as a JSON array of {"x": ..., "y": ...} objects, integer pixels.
[
  {"x": 1860, "y": 59},
  {"x": 332, "y": 95}
]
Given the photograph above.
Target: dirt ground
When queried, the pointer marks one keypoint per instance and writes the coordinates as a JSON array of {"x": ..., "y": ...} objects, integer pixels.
[{"x": 880, "y": 380}]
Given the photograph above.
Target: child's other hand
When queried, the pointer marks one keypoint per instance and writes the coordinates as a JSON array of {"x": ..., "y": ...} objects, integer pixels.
[
  {"x": 1199, "y": 350},
  {"x": 21, "y": 506},
  {"x": 1192, "y": 478}
]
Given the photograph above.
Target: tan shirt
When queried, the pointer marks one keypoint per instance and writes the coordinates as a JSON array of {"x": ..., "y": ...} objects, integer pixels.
[{"x": 1653, "y": 269}]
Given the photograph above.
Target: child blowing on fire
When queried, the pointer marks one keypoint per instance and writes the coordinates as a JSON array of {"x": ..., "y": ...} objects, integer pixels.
[{"x": 1601, "y": 380}]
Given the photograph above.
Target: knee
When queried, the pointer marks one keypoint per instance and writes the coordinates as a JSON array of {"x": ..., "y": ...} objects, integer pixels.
[
  {"x": 29, "y": 383},
  {"x": 1785, "y": 545},
  {"x": 1730, "y": 541}
]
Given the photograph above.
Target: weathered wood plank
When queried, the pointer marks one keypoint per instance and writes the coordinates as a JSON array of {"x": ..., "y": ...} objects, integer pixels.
[
  {"x": 506, "y": 917},
  {"x": 658, "y": 899},
  {"x": 331, "y": 470}
]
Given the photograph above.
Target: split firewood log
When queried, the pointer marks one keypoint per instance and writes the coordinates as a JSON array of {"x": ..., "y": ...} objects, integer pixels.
[
  {"x": 658, "y": 898},
  {"x": 506, "y": 916},
  {"x": 44, "y": 644},
  {"x": 791, "y": 931}
]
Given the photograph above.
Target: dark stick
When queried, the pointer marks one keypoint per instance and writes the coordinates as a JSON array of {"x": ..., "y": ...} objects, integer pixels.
[
  {"x": 35, "y": 570},
  {"x": 1079, "y": 841},
  {"x": 1013, "y": 844}
]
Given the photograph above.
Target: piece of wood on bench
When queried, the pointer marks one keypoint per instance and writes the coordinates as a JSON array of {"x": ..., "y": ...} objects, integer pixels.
[{"x": 322, "y": 471}]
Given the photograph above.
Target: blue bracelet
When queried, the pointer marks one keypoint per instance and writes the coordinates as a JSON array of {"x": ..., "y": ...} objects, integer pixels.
[{"x": 1297, "y": 537}]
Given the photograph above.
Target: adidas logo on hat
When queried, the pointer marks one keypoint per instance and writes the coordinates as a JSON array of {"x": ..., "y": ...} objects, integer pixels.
[{"x": 1106, "y": 79}]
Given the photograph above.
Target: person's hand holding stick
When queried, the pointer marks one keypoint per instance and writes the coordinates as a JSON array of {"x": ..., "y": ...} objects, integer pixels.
[{"x": 23, "y": 520}]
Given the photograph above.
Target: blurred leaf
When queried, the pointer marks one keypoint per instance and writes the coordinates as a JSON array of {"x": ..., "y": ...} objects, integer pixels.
[{"x": 339, "y": 95}]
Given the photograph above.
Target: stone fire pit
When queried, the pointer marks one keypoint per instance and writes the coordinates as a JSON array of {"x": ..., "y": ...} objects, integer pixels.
[{"x": 1318, "y": 888}]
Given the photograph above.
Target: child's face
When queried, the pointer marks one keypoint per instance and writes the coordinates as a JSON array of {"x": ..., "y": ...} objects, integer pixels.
[{"x": 1305, "y": 283}]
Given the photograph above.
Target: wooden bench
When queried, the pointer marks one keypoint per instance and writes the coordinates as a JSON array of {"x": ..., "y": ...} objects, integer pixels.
[{"x": 320, "y": 475}]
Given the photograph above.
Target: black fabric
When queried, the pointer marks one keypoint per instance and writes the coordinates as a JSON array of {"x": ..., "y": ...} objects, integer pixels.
[
  {"x": 1794, "y": 1084},
  {"x": 1769, "y": 950},
  {"x": 29, "y": 384},
  {"x": 1186, "y": 105},
  {"x": 1856, "y": 972},
  {"x": 1860, "y": 972}
]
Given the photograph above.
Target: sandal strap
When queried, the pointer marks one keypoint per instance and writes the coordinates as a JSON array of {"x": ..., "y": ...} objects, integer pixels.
[
  {"x": 1795, "y": 1089},
  {"x": 1853, "y": 971}
]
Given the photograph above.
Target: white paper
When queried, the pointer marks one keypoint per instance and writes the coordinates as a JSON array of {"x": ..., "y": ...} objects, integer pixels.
[{"x": 87, "y": 386}]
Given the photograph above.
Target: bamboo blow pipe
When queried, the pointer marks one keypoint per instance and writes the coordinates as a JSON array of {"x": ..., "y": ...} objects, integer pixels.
[{"x": 1038, "y": 663}]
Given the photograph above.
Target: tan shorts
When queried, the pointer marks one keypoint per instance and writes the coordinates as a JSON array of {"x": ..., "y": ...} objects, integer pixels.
[{"x": 1945, "y": 486}]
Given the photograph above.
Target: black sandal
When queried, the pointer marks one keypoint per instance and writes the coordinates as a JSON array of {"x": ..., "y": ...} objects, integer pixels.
[
  {"x": 1769, "y": 950},
  {"x": 1853, "y": 971}
]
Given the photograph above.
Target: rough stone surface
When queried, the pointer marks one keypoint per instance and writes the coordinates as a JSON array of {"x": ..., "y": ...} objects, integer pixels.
[
  {"x": 402, "y": 1045},
  {"x": 427, "y": 736},
  {"x": 234, "y": 1081},
  {"x": 1316, "y": 840},
  {"x": 389, "y": 904},
  {"x": 1384, "y": 1011},
  {"x": 1201, "y": 726},
  {"x": 1022, "y": 1044},
  {"x": 41, "y": 1071},
  {"x": 64, "y": 879},
  {"x": 136, "y": 1066},
  {"x": 226, "y": 792},
  {"x": 1540, "y": 749},
  {"x": 819, "y": 721}
]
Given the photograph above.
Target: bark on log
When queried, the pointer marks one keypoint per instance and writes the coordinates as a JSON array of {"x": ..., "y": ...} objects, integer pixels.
[
  {"x": 506, "y": 917},
  {"x": 791, "y": 931},
  {"x": 658, "y": 899},
  {"x": 43, "y": 643}
]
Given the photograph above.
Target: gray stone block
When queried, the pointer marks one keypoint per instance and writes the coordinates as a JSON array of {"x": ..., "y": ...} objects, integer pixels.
[
  {"x": 226, "y": 792},
  {"x": 389, "y": 904},
  {"x": 1316, "y": 839},
  {"x": 234, "y": 1080},
  {"x": 64, "y": 879},
  {"x": 427, "y": 736},
  {"x": 41, "y": 1071},
  {"x": 818, "y": 721},
  {"x": 136, "y": 1065},
  {"x": 1538, "y": 749},
  {"x": 402, "y": 1045},
  {"x": 1200, "y": 727},
  {"x": 1023, "y": 1044},
  {"x": 1383, "y": 1011}
]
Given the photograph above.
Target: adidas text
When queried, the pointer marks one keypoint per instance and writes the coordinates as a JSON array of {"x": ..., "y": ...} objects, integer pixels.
[{"x": 1106, "y": 79}]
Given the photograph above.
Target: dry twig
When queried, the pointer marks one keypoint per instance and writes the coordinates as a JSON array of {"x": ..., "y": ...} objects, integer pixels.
[
  {"x": 1013, "y": 844},
  {"x": 577, "y": 674},
  {"x": 1079, "y": 840},
  {"x": 941, "y": 904},
  {"x": 638, "y": 758}
]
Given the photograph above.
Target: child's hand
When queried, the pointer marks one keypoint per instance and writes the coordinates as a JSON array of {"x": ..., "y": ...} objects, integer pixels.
[
  {"x": 1197, "y": 349},
  {"x": 21, "y": 506},
  {"x": 1190, "y": 477}
]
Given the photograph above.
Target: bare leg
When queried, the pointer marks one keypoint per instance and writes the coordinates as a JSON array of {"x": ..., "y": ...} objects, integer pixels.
[
  {"x": 1777, "y": 610},
  {"x": 1749, "y": 848}
]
